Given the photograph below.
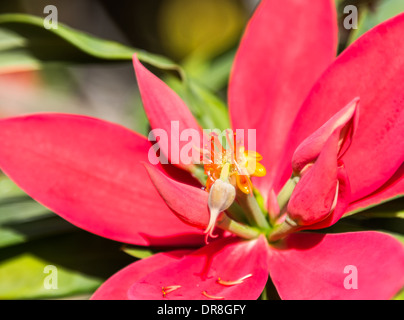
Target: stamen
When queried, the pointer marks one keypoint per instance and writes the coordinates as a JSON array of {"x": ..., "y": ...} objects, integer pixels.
[
  {"x": 215, "y": 142},
  {"x": 211, "y": 297},
  {"x": 235, "y": 145},
  {"x": 211, "y": 227},
  {"x": 212, "y": 149},
  {"x": 238, "y": 167},
  {"x": 233, "y": 164},
  {"x": 244, "y": 184},
  {"x": 224, "y": 174},
  {"x": 232, "y": 283},
  {"x": 168, "y": 289},
  {"x": 232, "y": 150}
]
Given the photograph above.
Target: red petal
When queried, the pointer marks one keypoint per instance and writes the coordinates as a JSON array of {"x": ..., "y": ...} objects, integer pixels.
[
  {"x": 190, "y": 204},
  {"x": 313, "y": 198},
  {"x": 281, "y": 55},
  {"x": 89, "y": 172},
  {"x": 391, "y": 189},
  {"x": 371, "y": 69},
  {"x": 311, "y": 266},
  {"x": 117, "y": 286},
  {"x": 344, "y": 121},
  {"x": 344, "y": 196},
  {"x": 163, "y": 106},
  {"x": 197, "y": 274}
]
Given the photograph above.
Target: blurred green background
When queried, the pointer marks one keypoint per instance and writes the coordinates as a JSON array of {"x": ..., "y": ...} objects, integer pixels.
[{"x": 88, "y": 70}]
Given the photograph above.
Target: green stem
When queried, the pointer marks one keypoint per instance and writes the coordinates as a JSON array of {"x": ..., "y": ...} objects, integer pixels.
[
  {"x": 252, "y": 210},
  {"x": 236, "y": 213},
  {"x": 286, "y": 192},
  {"x": 281, "y": 230},
  {"x": 241, "y": 230}
]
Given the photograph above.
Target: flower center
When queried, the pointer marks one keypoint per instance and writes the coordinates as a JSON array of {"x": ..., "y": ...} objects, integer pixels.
[
  {"x": 228, "y": 170},
  {"x": 233, "y": 164}
]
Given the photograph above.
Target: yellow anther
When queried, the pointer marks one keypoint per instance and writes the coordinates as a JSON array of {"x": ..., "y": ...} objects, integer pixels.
[
  {"x": 260, "y": 170},
  {"x": 224, "y": 174},
  {"x": 234, "y": 164},
  {"x": 252, "y": 154},
  {"x": 244, "y": 184},
  {"x": 168, "y": 289}
]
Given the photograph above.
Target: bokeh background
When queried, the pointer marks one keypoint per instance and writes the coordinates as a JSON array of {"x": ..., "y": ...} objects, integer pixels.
[{"x": 41, "y": 71}]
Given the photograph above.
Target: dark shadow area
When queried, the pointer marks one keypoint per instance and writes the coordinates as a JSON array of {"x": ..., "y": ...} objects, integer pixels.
[
  {"x": 137, "y": 21},
  {"x": 42, "y": 227},
  {"x": 299, "y": 241},
  {"x": 76, "y": 250},
  {"x": 181, "y": 175},
  {"x": 356, "y": 224},
  {"x": 186, "y": 241},
  {"x": 271, "y": 292}
]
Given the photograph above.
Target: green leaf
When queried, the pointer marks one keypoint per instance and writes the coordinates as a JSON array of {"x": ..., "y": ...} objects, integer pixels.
[
  {"x": 44, "y": 226},
  {"x": 391, "y": 208},
  {"x": 394, "y": 226},
  {"x": 400, "y": 295},
  {"x": 21, "y": 209},
  {"x": 213, "y": 74},
  {"x": 83, "y": 261},
  {"x": 138, "y": 252},
  {"x": 383, "y": 11},
  {"x": 25, "y": 37},
  {"x": 23, "y": 219},
  {"x": 141, "y": 124},
  {"x": 8, "y": 188},
  {"x": 208, "y": 109},
  {"x": 17, "y": 60},
  {"x": 23, "y": 277},
  {"x": 399, "y": 237}
]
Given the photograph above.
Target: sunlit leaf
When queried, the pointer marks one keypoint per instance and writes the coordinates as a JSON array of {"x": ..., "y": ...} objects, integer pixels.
[
  {"x": 400, "y": 295},
  {"x": 23, "y": 277},
  {"x": 83, "y": 262},
  {"x": 64, "y": 44},
  {"x": 8, "y": 189},
  {"x": 21, "y": 209},
  {"x": 138, "y": 252}
]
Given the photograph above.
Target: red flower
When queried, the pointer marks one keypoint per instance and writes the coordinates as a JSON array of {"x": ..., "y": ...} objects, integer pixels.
[{"x": 304, "y": 104}]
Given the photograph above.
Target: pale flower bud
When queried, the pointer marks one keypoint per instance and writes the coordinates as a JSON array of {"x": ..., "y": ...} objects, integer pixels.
[{"x": 221, "y": 197}]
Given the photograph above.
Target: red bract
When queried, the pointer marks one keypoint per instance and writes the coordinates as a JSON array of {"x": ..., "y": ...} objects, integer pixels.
[{"x": 335, "y": 125}]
